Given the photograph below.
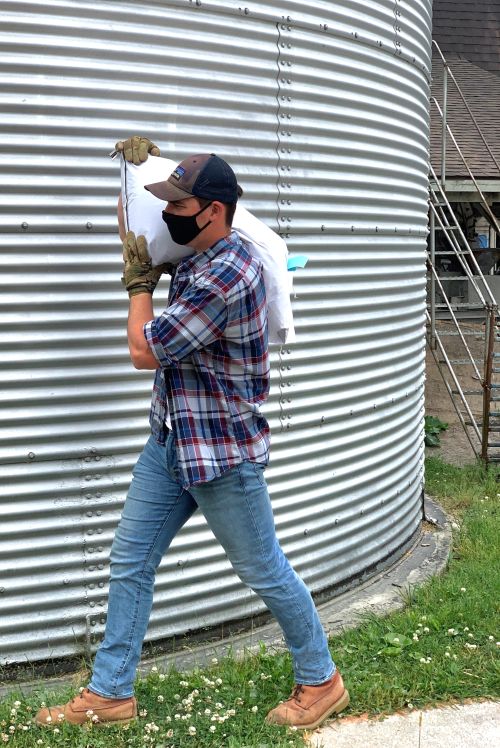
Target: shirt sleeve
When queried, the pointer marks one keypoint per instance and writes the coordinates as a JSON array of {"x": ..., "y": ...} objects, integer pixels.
[{"x": 196, "y": 319}]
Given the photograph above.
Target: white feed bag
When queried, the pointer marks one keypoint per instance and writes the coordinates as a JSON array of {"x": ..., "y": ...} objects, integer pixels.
[{"x": 142, "y": 215}]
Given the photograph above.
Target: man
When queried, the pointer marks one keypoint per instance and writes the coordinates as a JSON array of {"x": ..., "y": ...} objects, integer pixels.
[{"x": 208, "y": 448}]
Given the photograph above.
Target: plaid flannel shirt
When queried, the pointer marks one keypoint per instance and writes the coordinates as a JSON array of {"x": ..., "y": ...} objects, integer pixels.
[{"x": 212, "y": 346}]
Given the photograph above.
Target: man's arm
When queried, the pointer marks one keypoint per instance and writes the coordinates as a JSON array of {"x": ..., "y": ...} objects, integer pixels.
[{"x": 140, "y": 312}]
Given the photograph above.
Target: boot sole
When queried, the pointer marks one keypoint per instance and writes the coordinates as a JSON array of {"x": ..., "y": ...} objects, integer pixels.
[
  {"x": 337, "y": 707},
  {"x": 87, "y": 724}
]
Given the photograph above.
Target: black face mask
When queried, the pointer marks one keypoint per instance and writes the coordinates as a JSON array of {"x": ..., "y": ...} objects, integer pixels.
[{"x": 183, "y": 229}]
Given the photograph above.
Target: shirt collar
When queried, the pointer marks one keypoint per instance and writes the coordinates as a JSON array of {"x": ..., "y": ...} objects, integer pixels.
[{"x": 196, "y": 262}]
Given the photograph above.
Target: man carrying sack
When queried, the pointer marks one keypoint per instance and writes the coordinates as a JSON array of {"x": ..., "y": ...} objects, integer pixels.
[{"x": 208, "y": 448}]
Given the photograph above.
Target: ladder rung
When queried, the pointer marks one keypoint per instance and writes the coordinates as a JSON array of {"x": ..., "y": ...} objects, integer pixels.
[
  {"x": 468, "y": 392},
  {"x": 463, "y": 361},
  {"x": 470, "y": 305},
  {"x": 462, "y": 252},
  {"x": 480, "y": 335}
]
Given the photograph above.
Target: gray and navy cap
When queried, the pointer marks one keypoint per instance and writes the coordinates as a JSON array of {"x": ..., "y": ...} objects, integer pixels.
[{"x": 206, "y": 175}]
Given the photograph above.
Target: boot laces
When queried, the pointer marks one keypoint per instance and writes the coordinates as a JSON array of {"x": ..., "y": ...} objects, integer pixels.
[{"x": 296, "y": 692}]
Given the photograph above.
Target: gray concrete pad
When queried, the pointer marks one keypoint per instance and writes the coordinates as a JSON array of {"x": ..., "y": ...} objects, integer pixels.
[{"x": 474, "y": 725}]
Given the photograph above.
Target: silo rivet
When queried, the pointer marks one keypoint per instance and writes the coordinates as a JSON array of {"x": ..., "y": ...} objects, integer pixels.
[
  {"x": 2, "y": 589},
  {"x": 31, "y": 455},
  {"x": 65, "y": 581},
  {"x": 89, "y": 225},
  {"x": 306, "y": 532},
  {"x": 24, "y": 225}
]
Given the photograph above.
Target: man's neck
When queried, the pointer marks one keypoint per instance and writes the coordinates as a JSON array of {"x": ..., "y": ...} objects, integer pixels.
[{"x": 210, "y": 241}]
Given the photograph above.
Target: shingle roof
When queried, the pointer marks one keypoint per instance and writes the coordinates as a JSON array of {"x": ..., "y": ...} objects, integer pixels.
[
  {"x": 468, "y": 34},
  {"x": 469, "y": 29}
]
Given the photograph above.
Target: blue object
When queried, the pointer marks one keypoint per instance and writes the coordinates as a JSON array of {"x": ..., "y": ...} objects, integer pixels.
[{"x": 299, "y": 261}]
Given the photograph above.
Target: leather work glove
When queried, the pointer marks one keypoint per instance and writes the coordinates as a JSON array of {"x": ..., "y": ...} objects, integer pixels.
[
  {"x": 136, "y": 149},
  {"x": 139, "y": 276}
]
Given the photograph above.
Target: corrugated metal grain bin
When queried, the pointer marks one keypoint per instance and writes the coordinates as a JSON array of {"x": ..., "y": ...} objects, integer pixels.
[{"x": 322, "y": 109}]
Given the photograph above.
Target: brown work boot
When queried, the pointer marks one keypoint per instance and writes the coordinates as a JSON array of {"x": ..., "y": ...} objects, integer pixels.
[
  {"x": 87, "y": 708},
  {"x": 308, "y": 706}
]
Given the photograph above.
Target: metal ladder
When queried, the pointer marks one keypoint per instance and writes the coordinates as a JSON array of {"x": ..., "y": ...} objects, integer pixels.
[{"x": 448, "y": 319}]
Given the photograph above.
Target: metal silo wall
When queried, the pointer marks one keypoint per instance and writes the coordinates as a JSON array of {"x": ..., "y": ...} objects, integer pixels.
[{"x": 321, "y": 108}]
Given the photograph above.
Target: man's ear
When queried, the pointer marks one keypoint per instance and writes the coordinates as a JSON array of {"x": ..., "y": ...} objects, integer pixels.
[{"x": 218, "y": 208}]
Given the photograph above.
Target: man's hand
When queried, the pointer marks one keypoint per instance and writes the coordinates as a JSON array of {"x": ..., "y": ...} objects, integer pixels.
[
  {"x": 139, "y": 276},
  {"x": 136, "y": 149}
]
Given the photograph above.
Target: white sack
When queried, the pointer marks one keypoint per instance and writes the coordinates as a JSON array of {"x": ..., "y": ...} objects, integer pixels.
[{"x": 142, "y": 215}]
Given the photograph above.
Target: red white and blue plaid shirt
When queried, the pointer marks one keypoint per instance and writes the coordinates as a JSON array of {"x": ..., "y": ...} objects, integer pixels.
[{"x": 212, "y": 346}]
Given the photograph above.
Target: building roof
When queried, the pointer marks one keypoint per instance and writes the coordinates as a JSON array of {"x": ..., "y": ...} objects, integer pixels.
[{"x": 468, "y": 34}]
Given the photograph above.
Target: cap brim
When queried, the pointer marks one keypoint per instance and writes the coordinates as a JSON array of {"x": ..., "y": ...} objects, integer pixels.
[{"x": 167, "y": 191}]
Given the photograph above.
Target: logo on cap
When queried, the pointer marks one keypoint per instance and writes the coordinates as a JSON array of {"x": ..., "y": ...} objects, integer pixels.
[{"x": 178, "y": 173}]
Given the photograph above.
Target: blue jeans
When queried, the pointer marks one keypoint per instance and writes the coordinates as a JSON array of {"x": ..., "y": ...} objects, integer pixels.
[{"x": 238, "y": 510}]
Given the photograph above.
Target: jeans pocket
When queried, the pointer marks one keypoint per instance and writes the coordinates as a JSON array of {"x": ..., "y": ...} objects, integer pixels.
[{"x": 258, "y": 469}]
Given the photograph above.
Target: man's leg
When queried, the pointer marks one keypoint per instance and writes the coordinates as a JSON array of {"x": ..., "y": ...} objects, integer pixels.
[
  {"x": 155, "y": 509},
  {"x": 238, "y": 510}
]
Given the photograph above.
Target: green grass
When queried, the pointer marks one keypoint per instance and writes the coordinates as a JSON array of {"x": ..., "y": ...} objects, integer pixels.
[{"x": 454, "y": 617}]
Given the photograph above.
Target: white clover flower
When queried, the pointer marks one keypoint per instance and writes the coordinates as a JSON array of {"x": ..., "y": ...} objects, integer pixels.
[
  {"x": 183, "y": 683},
  {"x": 491, "y": 638},
  {"x": 251, "y": 683},
  {"x": 170, "y": 733},
  {"x": 12, "y": 729},
  {"x": 17, "y": 704},
  {"x": 466, "y": 628},
  {"x": 160, "y": 698},
  {"x": 39, "y": 741},
  {"x": 470, "y": 635},
  {"x": 214, "y": 660},
  {"x": 426, "y": 629},
  {"x": 143, "y": 713},
  {"x": 455, "y": 657},
  {"x": 208, "y": 712},
  {"x": 423, "y": 618},
  {"x": 255, "y": 709},
  {"x": 13, "y": 712},
  {"x": 177, "y": 716},
  {"x": 56, "y": 731},
  {"x": 415, "y": 638},
  {"x": 81, "y": 689},
  {"x": 162, "y": 676},
  {"x": 447, "y": 654},
  {"x": 192, "y": 730},
  {"x": 212, "y": 728},
  {"x": 48, "y": 719},
  {"x": 219, "y": 681},
  {"x": 60, "y": 717},
  {"x": 27, "y": 727},
  {"x": 396, "y": 639},
  {"x": 95, "y": 718},
  {"x": 470, "y": 646},
  {"x": 154, "y": 669},
  {"x": 410, "y": 706},
  {"x": 422, "y": 660},
  {"x": 185, "y": 716}
]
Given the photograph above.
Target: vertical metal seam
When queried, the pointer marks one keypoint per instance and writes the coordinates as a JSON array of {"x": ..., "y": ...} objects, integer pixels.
[{"x": 278, "y": 138}]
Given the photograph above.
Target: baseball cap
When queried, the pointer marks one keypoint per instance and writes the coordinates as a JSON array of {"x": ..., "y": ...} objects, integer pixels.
[{"x": 205, "y": 175}]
